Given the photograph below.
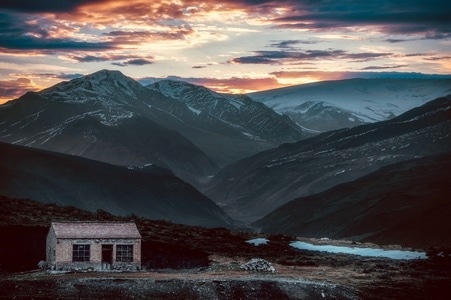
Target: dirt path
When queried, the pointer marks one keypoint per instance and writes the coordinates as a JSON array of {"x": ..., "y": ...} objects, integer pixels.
[{"x": 225, "y": 279}]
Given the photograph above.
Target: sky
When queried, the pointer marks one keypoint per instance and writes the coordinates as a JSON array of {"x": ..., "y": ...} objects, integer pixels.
[{"x": 233, "y": 46}]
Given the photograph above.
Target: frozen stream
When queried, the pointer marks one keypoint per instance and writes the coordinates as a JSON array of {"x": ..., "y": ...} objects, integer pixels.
[{"x": 374, "y": 252}]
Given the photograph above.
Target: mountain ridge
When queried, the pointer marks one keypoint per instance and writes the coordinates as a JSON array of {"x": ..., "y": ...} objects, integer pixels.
[
  {"x": 403, "y": 203},
  {"x": 252, "y": 187},
  {"x": 351, "y": 102},
  {"x": 238, "y": 119}
]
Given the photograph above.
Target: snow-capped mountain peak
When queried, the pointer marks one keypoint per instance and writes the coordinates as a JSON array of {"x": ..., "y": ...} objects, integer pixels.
[
  {"x": 336, "y": 104},
  {"x": 174, "y": 88},
  {"x": 252, "y": 119},
  {"x": 194, "y": 96},
  {"x": 109, "y": 96},
  {"x": 102, "y": 85}
]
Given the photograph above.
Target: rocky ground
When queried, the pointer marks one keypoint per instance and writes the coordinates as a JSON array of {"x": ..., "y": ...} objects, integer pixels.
[
  {"x": 226, "y": 278},
  {"x": 188, "y": 284}
]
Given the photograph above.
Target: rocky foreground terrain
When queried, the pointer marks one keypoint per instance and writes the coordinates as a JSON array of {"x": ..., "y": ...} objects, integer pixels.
[{"x": 186, "y": 262}]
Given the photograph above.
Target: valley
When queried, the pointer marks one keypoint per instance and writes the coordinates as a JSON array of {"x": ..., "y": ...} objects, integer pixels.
[{"x": 251, "y": 188}]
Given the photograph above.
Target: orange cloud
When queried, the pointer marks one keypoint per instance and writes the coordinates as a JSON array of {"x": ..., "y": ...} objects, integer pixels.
[
  {"x": 237, "y": 85},
  {"x": 310, "y": 75},
  {"x": 233, "y": 85},
  {"x": 13, "y": 88}
]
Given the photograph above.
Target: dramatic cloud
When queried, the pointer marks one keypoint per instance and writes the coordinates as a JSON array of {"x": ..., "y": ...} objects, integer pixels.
[
  {"x": 438, "y": 58},
  {"x": 383, "y": 67},
  {"x": 321, "y": 75},
  {"x": 225, "y": 85},
  {"x": 394, "y": 17},
  {"x": 137, "y": 37},
  {"x": 290, "y": 44},
  {"x": 102, "y": 57},
  {"x": 136, "y": 62},
  {"x": 33, "y": 43},
  {"x": 240, "y": 42},
  {"x": 44, "y": 6},
  {"x": 13, "y": 88},
  {"x": 18, "y": 32},
  {"x": 95, "y": 58},
  {"x": 280, "y": 57}
]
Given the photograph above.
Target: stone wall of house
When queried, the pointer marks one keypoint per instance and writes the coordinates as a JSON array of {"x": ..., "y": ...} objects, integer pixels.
[
  {"x": 64, "y": 250},
  {"x": 50, "y": 247}
]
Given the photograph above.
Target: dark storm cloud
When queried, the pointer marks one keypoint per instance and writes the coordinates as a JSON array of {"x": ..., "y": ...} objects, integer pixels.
[
  {"x": 383, "y": 67},
  {"x": 288, "y": 44},
  {"x": 35, "y": 43},
  {"x": 426, "y": 36},
  {"x": 44, "y": 5},
  {"x": 279, "y": 57},
  {"x": 98, "y": 58},
  {"x": 17, "y": 33},
  {"x": 125, "y": 59},
  {"x": 257, "y": 59},
  {"x": 134, "y": 62},
  {"x": 392, "y": 16},
  {"x": 136, "y": 37},
  {"x": 323, "y": 75},
  {"x": 438, "y": 58}
]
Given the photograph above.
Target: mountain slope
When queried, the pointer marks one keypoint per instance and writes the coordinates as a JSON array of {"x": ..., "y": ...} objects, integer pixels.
[
  {"x": 332, "y": 105},
  {"x": 253, "y": 187},
  {"x": 63, "y": 179},
  {"x": 238, "y": 126},
  {"x": 407, "y": 203},
  {"x": 100, "y": 116}
]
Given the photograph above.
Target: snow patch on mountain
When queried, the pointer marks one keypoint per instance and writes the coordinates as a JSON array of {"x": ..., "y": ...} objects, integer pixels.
[
  {"x": 197, "y": 98},
  {"x": 111, "y": 88},
  {"x": 250, "y": 118},
  {"x": 367, "y": 100}
]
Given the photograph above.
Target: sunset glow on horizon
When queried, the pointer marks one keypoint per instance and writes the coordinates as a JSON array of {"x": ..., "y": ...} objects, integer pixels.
[{"x": 233, "y": 46}]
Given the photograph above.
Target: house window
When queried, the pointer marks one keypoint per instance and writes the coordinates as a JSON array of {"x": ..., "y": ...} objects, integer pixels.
[
  {"x": 124, "y": 253},
  {"x": 80, "y": 252}
]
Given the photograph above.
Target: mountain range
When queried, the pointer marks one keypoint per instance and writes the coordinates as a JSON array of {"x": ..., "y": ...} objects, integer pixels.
[
  {"x": 331, "y": 105},
  {"x": 68, "y": 180},
  {"x": 110, "y": 117},
  {"x": 253, "y": 187},
  {"x": 225, "y": 127}
]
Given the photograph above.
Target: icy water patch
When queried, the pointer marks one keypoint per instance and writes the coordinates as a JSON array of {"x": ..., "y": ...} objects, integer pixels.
[
  {"x": 372, "y": 252},
  {"x": 258, "y": 241}
]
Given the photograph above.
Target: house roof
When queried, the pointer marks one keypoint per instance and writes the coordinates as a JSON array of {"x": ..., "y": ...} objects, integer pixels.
[{"x": 95, "y": 230}]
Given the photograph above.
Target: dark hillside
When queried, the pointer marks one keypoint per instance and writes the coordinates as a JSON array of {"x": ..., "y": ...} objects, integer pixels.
[
  {"x": 407, "y": 203},
  {"x": 68, "y": 180}
]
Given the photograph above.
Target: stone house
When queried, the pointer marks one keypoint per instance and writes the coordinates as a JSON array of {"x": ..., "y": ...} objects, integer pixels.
[{"x": 93, "y": 246}]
